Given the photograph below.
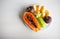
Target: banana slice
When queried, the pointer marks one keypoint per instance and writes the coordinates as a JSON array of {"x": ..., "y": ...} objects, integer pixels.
[
  {"x": 42, "y": 10},
  {"x": 46, "y": 13},
  {"x": 36, "y": 8},
  {"x": 43, "y": 15}
]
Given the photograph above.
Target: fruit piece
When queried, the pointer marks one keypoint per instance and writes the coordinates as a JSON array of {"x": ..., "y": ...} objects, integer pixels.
[
  {"x": 47, "y": 19},
  {"x": 41, "y": 21},
  {"x": 37, "y": 9},
  {"x": 28, "y": 17},
  {"x": 46, "y": 13},
  {"x": 37, "y": 15},
  {"x": 43, "y": 15},
  {"x": 42, "y": 10},
  {"x": 30, "y": 9}
]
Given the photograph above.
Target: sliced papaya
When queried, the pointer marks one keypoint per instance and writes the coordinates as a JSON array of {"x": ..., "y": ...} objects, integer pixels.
[{"x": 31, "y": 21}]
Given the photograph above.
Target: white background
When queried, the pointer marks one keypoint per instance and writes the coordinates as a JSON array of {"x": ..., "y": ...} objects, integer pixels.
[{"x": 12, "y": 27}]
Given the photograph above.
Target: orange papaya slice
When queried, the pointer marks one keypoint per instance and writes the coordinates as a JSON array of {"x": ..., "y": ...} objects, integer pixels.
[{"x": 31, "y": 21}]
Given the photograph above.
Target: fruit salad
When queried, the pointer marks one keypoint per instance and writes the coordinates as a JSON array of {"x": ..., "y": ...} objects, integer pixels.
[{"x": 36, "y": 17}]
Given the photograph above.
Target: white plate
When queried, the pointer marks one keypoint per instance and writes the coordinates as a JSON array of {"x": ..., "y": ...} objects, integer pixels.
[{"x": 12, "y": 26}]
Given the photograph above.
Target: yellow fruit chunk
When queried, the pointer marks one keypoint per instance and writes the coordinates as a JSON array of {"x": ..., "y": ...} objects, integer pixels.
[
  {"x": 42, "y": 9},
  {"x": 43, "y": 15},
  {"x": 46, "y": 13},
  {"x": 36, "y": 8}
]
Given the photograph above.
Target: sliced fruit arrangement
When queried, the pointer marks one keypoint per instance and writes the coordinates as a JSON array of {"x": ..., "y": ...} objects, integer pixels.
[{"x": 36, "y": 17}]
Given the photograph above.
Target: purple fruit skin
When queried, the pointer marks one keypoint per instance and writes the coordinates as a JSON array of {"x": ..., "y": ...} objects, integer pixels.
[
  {"x": 47, "y": 19},
  {"x": 30, "y": 9}
]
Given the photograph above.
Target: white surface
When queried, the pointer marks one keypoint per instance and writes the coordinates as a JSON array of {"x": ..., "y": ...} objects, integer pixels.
[{"x": 12, "y": 27}]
